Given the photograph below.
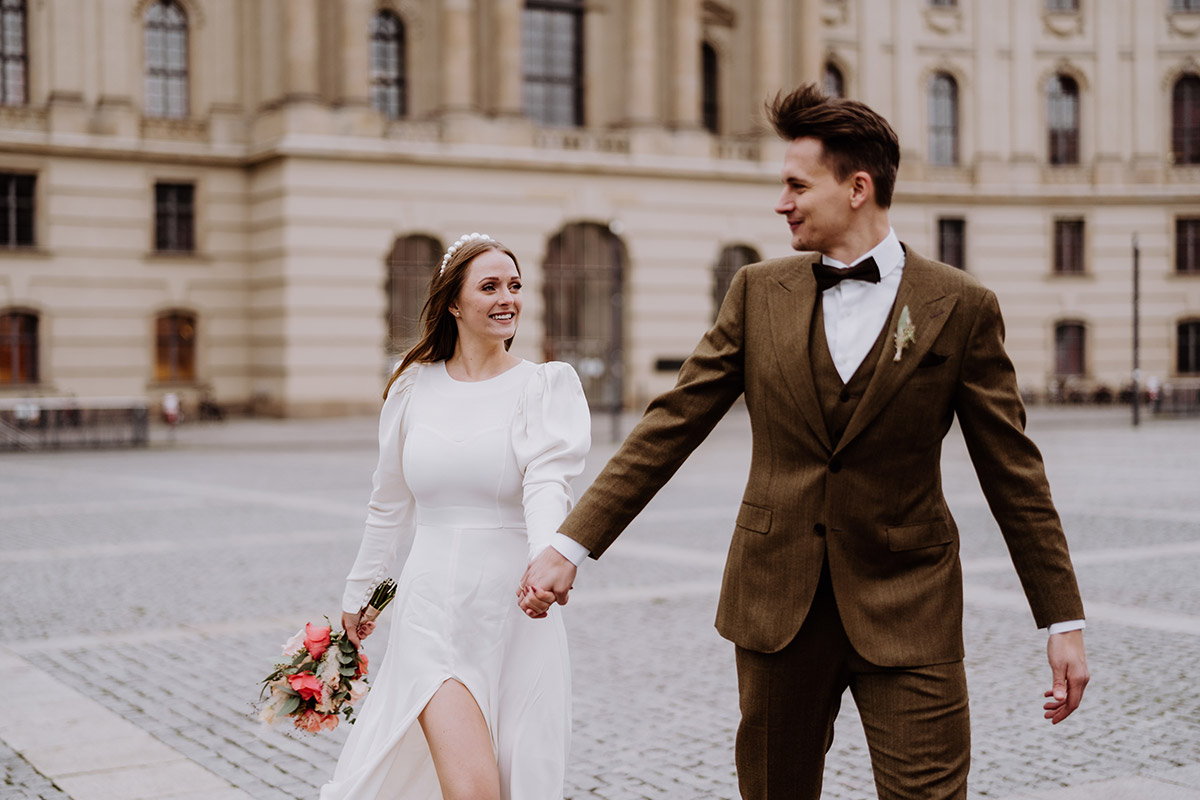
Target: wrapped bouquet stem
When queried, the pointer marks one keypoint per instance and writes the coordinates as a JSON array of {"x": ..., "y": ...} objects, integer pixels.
[{"x": 384, "y": 593}]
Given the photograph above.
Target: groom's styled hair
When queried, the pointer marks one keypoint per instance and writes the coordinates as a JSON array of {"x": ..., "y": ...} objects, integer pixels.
[{"x": 854, "y": 137}]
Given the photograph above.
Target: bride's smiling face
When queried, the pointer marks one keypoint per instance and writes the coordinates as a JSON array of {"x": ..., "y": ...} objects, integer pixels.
[{"x": 489, "y": 304}]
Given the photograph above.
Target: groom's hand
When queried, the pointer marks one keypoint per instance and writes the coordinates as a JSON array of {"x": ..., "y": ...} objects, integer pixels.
[
  {"x": 550, "y": 572},
  {"x": 1068, "y": 667}
]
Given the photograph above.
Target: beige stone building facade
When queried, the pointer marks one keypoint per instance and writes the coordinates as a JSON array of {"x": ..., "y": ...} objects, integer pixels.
[{"x": 244, "y": 198}]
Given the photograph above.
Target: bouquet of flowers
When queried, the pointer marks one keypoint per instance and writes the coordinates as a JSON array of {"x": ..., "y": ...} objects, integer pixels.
[{"x": 324, "y": 674}]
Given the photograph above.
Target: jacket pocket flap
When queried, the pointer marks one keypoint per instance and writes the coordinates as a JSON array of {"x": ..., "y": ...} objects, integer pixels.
[
  {"x": 919, "y": 534},
  {"x": 755, "y": 518}
]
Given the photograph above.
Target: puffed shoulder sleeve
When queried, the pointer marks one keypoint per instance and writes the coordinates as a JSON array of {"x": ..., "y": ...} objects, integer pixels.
[
  {"x": 552, "y": 433},
  {"x": 390, "y": 511}
]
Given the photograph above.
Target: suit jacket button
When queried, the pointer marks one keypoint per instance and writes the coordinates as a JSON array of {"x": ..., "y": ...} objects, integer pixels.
[
  {"x": 844, "y": 396},
  {"x": 819, "y": 529},
  {"x": 835, "y": 465}
]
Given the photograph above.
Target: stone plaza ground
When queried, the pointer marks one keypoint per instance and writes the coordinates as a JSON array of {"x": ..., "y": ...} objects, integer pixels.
[{"x": 145, "y": 592}]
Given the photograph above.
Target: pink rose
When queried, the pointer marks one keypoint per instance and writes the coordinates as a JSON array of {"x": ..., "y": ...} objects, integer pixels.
[
  {"x": 314, "y": 722},
  {"x": 306, "y": 685},
  {"x": 362, "y": 664},
  {"x": 292, "y": 646},
  {"x": 316, "y": 640}
]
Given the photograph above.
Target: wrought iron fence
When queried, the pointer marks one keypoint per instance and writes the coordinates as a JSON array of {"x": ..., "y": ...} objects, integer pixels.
[{"x": 58, "y": 423}]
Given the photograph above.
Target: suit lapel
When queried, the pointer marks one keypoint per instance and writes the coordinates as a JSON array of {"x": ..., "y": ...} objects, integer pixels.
[
  {"x": 791, "y": 309},
  {"x": 929, "y": 307}
]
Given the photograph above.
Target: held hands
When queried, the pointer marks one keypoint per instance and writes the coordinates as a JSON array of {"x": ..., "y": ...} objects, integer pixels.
[
  {"x": 1068, "y": 667},
  {"x": 549, "y": 578},
  {"x": 356, "y": 630}
]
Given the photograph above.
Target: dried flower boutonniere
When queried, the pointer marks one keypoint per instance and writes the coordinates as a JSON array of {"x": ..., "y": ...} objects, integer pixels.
[{"x": 906, "y": 332}]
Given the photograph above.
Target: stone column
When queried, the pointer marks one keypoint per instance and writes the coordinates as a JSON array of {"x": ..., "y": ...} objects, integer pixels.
[
  {"x": 1026, "y": 126},
  {"x": 507, "y": 64},
  {"x": 458, "y": 52},
  {"x": 769, "y": 55},
  {"x": 1148, "y": 122},
  {"x": 812, "y": 43},
  {"x": 356, "y": 43},
  {"x": 1106, "y": 116},
  {"x": 301, "y": 79},
  {"x": 642, "y": 63},
  {"x": 685, "y": 78}
]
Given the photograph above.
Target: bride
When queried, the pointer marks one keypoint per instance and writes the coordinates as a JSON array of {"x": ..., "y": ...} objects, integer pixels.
[{"x": 476, "y": 452}]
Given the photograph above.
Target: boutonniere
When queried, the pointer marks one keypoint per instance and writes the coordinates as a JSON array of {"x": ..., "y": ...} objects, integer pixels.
[{"x": 906, "y": 332}]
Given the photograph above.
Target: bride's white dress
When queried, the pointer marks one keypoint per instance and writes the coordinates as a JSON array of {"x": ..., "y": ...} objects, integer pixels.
[{"x": 481, "y": 470}]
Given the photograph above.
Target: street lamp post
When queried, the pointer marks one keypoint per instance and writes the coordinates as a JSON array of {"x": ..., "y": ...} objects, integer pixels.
[{"x": 1137, "y": 372}]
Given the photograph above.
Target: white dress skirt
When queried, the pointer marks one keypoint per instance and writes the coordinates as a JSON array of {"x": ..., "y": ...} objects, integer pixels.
[{"x": 480, "y": 472}]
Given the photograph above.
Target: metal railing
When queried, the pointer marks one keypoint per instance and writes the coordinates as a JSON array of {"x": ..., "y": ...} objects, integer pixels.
[{"x": 60, "y": 423}]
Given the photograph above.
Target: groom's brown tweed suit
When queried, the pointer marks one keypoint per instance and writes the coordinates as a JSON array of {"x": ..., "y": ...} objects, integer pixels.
[{"x": 844, "y": 519}]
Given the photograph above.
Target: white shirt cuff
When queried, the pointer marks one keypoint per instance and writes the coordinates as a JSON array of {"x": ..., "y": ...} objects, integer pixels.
[
  {"x": 1063, "y": 627},
  {"x": 570, "y": 549}
]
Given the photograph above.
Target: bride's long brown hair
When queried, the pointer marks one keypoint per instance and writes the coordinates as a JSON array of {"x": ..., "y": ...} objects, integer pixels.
[{"x": 439, "y": 333}]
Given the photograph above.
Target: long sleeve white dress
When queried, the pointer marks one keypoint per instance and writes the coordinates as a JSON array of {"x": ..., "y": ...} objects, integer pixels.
[{"x": 482, "y": 471}]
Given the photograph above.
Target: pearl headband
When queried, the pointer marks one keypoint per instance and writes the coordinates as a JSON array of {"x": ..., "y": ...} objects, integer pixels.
[{"x": 462, "y": 240}]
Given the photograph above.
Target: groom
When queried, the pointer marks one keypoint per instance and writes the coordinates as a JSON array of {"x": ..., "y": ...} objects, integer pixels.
[{"x": 843, "y": 571}]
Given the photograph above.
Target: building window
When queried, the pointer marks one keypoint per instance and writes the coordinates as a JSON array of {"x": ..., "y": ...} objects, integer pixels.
[
  {"x": 174, "y": 217},
  {"x": 410, "y": 267},
  {"x": 1068, "y": 246},
  {"x": 389, "y": 93},
  {"x": 13, "y": 62},
  {"x": 709, "y": 108},
  {"x": 1062, "y": 112},
  {"x": 835, "y": 83},
  {"x": 1187, "y": 244},
  {"x": 166, "y": 60},
  {"x": 552, "y": 36},
  {"x": 18, "y": 348},
  {"x": 1062, "y": 6},
  {"x": 583, "y": 283},
  {"x": 952, "y": 239},
  {"x": 943, "y": 3},
  {"x": 731, "y": 260},
  {"x": 175, "y": 347},
  {"x": 1185, "y": 120},
  {"x": 1188, "y": 348},
  {"x": 1185, "y": 5},
  {"x": 16, "y": 210},
  {"x": 943, "y": 119},
  {"x": 1068, "y": 349}
]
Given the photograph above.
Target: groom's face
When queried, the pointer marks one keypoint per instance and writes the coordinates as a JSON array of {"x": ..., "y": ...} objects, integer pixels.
[{"x": 815, "y": 203}]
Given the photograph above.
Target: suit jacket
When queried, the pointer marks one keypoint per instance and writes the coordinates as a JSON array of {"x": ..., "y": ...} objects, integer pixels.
[{"x": 871, "y": 504}]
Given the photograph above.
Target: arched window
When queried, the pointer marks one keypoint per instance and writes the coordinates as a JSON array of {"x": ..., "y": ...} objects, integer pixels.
[
  {"x": 583, "y": 279},
  {"x": 552, "y": 39},
  {"x": 13, "y": 60},
  {"x": 175, "y": 347},
  {"x": 731, "y": 260},
  {"x": 1187, "y": 351},
  {"x": 410, "y": 266},
  {"x": 1062, "y": 114},
  {"x": 835, "y": 84},
  {"x": 1185, "y": 120},
  {"x": 943, "y": 119},
  {"x": 1069, "y": 349},
  {"x": 166, "y": 60},
  {"x": 389, "y": 89},
  {"x": 18, "y": 348},
  {"x": 709, "y": 74}
]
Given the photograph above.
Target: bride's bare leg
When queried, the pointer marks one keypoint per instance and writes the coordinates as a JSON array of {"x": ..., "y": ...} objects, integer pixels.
[{"x": 461, "y": 747}]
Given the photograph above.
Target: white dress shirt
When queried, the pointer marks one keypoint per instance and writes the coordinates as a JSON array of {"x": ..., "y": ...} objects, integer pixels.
[{"x": 855, "y": 312}]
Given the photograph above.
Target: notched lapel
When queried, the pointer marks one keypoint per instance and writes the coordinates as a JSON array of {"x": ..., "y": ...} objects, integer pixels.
[
  {"x": 929, "y": 306},
  {"x": 790, "y": 306}
]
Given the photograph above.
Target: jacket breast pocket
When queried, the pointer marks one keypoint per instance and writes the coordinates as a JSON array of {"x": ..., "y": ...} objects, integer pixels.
[
  {"x": 754, "y": 518},
  {"x": 919, "y": 534}
]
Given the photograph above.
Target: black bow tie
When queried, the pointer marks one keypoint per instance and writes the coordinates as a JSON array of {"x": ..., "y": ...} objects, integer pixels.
[{"x": 828, "y": 277}]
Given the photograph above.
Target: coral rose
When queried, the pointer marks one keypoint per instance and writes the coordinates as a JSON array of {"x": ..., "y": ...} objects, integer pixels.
[
  {"x": 362, "y": 664},
  {"x": 314, "y": 722},
  {"x": 307, "y": 686},
  {"x": 316, "y": 639}
]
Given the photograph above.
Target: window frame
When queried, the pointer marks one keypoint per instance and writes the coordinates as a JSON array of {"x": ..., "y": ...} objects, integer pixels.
[
  {"x": 410, "y": 265},
  {"x": 10, "y": 61},
  {"x": 388, "y": 85},
  {"x": 11, "y": 210},
  {"x": 1185, "y": 121},
  {"x": 833, "y": 78},
  {"x": 14, "y": 341},
  {"x": 1069, "y": 256},
  {"x": 170, "y": 215},
  {"x": 174, "y": 80},
  {"x": 731, "y": 258},
  {"x": 1067, "y": 351},
  {"x": 943, "y": 133},
  {"x": 547, "y": 113},
  {"x": 1062, "y": 140},
  {"x": 1062, "y": 6},
  {"x": 174, "y": 352},
  {"x": 710, "y": 88},
  {"x": 1187, "y": 245},
  {"x": 1187, "y": 330},
  {"x": 957, "y": 241}
]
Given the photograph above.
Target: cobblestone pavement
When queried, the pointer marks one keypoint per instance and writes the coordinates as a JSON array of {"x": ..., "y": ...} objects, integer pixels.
[{"x": 155, "y": 586}]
